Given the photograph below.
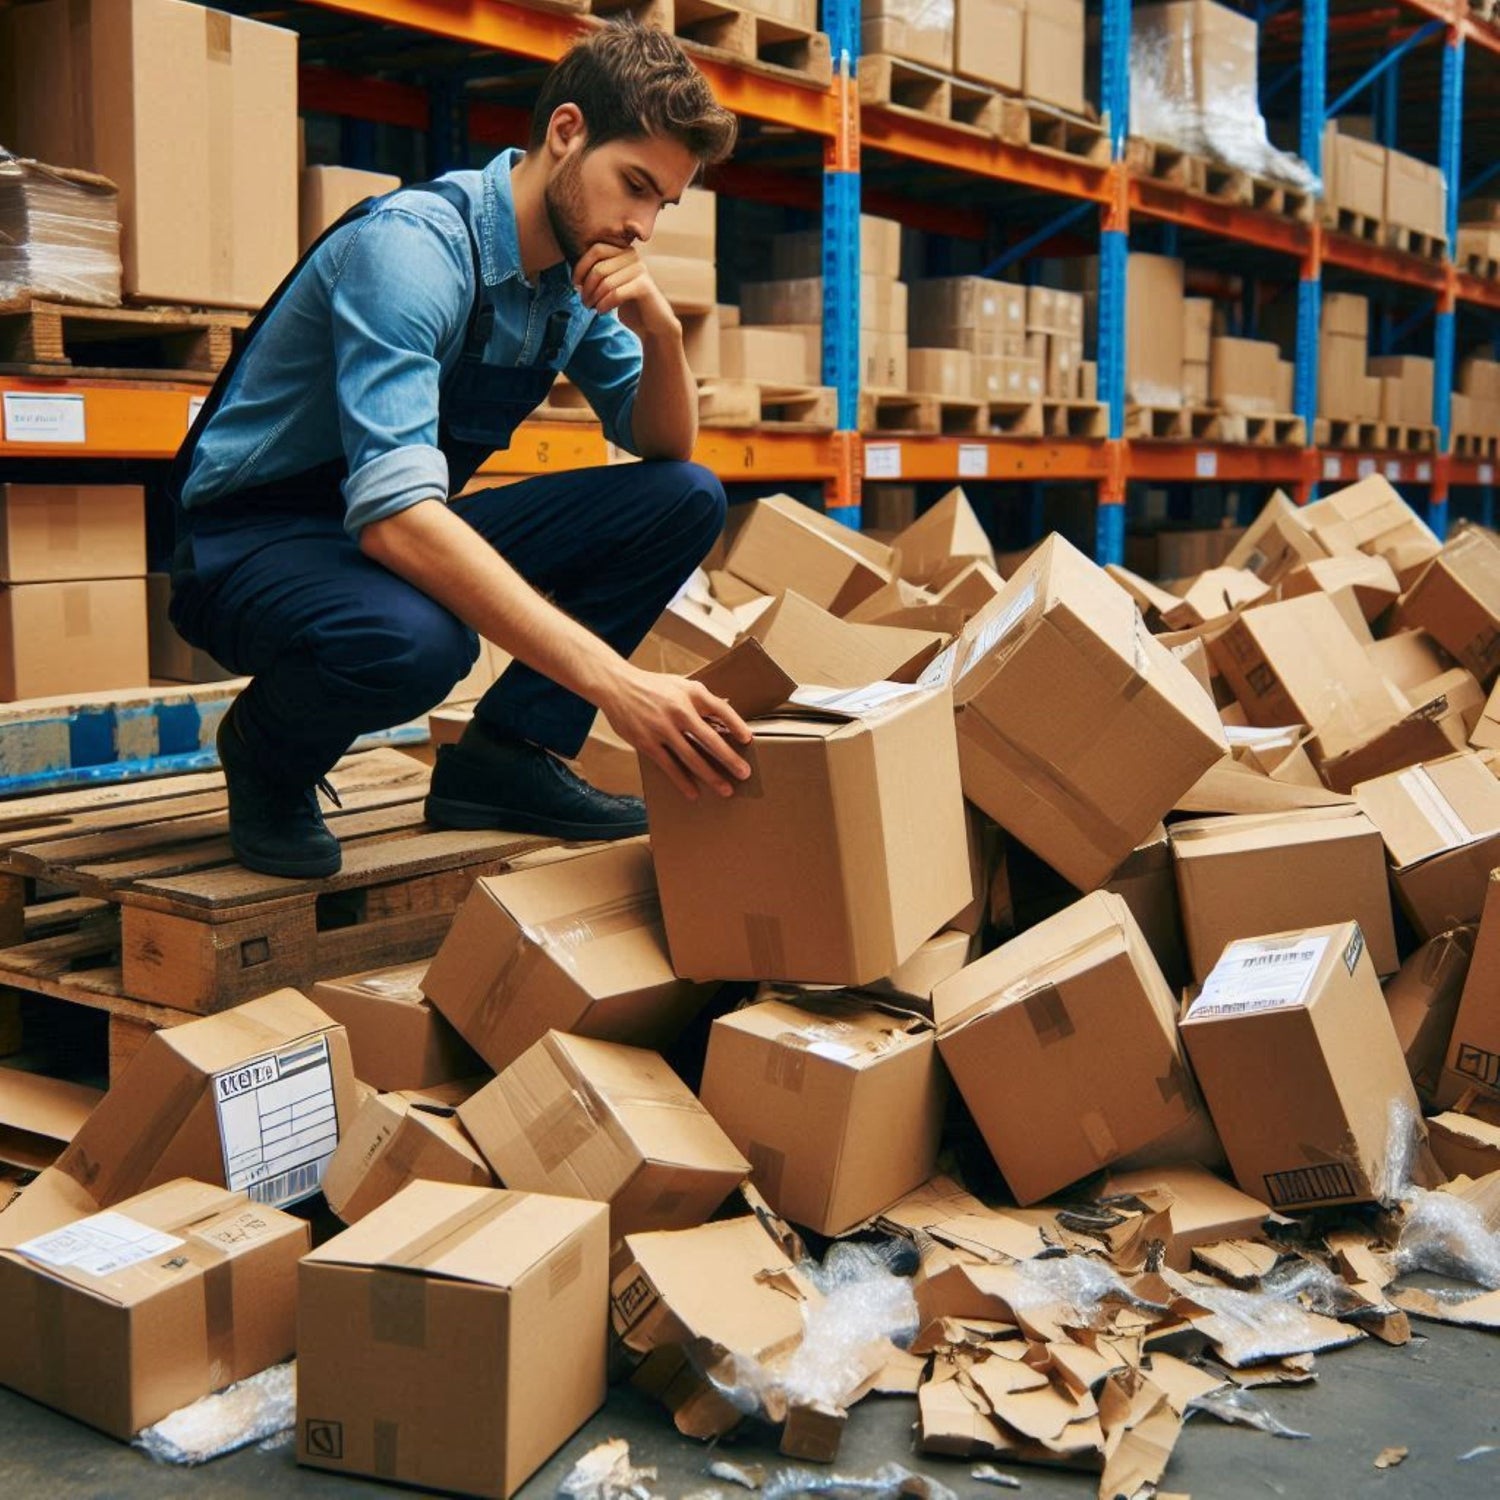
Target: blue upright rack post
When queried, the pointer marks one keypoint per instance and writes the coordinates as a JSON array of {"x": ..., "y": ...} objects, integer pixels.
[
  {"x": 1450, "y": 160},
  {"x": 1114, "y": 256},
  {"x": 1314, "y": 72}
]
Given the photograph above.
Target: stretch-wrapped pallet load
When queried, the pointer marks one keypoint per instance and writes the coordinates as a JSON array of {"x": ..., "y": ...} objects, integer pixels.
[
  {"x": 1194, "y": 85},
  {"x": 59, "y": 234}
]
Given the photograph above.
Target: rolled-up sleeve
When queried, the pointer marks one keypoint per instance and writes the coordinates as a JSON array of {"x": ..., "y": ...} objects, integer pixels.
[
  {"x": 401, "y": 295},
  {"x": 606, "y": 367}
]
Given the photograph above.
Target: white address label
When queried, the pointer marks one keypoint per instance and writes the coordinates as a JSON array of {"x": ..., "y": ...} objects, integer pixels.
[
  {"x": 883, "y": 461},
  {"x": 973, "y": 461},
  {"x": 99, "y": 1245},
  {"x": 43, "y": 419},
  {"x": 1257, "y": 976}
]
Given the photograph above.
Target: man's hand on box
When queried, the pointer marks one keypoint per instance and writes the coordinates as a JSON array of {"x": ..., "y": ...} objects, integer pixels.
[
  {"x": 688, "y": 731},
  {"x": 610, "y": 279}
]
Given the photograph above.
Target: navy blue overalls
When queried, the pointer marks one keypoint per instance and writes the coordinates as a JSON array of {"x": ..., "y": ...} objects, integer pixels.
[{"x": 268, "y": 582}]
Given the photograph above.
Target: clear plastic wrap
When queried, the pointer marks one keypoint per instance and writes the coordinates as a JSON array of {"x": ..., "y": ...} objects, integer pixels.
[
  {"x": 256, "y": 1410},
  {"x": 59, "y": 234},
  {"x": 1193, "y": 85},
  {"x": 888, "y": 1482},
  {"x": 1233, "y": 1405},
  {"x": 606, "y": 1473}
]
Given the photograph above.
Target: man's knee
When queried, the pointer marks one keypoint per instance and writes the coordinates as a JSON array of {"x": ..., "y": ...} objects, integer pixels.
[
  {"x": 687, "y": 497},
  {"x": 406, "y": 664}
]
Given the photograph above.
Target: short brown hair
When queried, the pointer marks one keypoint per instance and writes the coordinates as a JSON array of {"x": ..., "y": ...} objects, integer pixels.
[{"x": 630, "y": 81}]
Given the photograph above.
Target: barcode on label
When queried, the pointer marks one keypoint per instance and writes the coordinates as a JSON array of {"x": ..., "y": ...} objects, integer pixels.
[{"x": 289, "y": 1187}]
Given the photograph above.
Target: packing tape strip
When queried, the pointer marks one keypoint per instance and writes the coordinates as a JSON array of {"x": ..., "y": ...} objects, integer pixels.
[
  {"x": 1437, "y": 811},
  {"x": 385, "y": 1446},
  {"x": 218, "y": 1321},
  {"x": 428, "y": 1248},
  {"x": 398, "y": 1308}
]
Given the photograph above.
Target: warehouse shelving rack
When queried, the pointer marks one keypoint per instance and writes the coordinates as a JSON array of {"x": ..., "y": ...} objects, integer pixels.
[{"x": 141, "y": 420}]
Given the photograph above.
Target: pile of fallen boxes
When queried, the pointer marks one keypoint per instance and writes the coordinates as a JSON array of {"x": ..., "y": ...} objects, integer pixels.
[{"x": 1165, "y": 915}]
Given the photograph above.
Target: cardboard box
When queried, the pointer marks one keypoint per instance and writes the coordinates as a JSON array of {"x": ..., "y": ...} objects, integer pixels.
[
  {"x": 393, "y": 1140},
  {"x": 52, "y": 533},
  {"x": 1464, "y": 1146},
  {"x": 1195, "y": 384},
  {"x": 1486, "y": 732},
  {"x": 882, "y": 302},
  {"x": 777, "y": 355},
  {"x": 576, "y": 946},
  {"x": 1353, "y": 174},
  {"x": 784, "y": 544},
  {"x": 890, "y": 867},
  {"x": 838, "y": 1105},
  {"x": 1197, "y": 329},
  {"x": 39, "y": 1116},
  {"x": 688, "y": 228},
  {"x": 1242, "y": 375},
  {"x": 582, "y": 1118},
  {"x": 1367, "y": 584},
  {"x": 175, "y": 1293},
  {"x": 989, "y": 38},
  {"x": 1054, "y": 53},
  {"x": 83, "y": 637},
  {"x": 920, "y": 33},
  {"x": 817, "y": 647},
  {"x": 1414, "y": 198},
  {"x": 1457, "y": 602},
  {"x": 942, "y": 372},
  {"x": 1075, "y": 1021},
  {"x": 1345, "y": 313},
  {"x": 1441, "y": 826},
  {"x": 1341, "y": 378},
  {"x": 1016, "y": 381},
  {"x": 700, "y": 343},
  {"x": 882, "y": 361},
  {"x": 1299, "y": 1063},
  {"x": 200, "y": 1100},
  {"x": 966, "y": 302},
  {"x": 1154, "y": 330},
  {"x": 1077, "y": 730},
  {"x": 608, "y": 762},
  {"x": 1472, "y": 1063},
  {"x": 1409, "y": 658},
  {"x": 1371, "y": 516},
  {"x": 800, "y": 253},
  {"x": 169, "y": 656},
  {"x": 1147, "y": 883},
  {"x": 690, "y": 285},
  {"x": 1209, "y": 55},
  {"x": 1242, "y": 876},
  {"x": 396, "y": 1039},
  {"x": 1275, "y": 542},
  {"x": 328, "y": 193},
  {"x": 1064, "y": 358},
  {"x": 487, "y": 1311},
  {"x": 946, "y": 532},
  {"x": 1412, "y": 379},
  {"x": 1423, "y": 1001},
  {"x": 192, "y": 112},
  {"x": 1204, "y": 1209},
  {"x": 1296, "y": 662}
]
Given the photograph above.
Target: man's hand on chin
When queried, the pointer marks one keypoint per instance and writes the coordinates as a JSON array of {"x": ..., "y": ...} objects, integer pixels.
[{"x": 610, "y": 279}]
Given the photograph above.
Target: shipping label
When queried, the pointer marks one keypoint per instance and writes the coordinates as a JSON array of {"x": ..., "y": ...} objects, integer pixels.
[
  {"x": 278, "y": 1123},
  {"x": 100, "y": 1245},
  {"x": 1000, "y": 627},
  {"x": 1259, "y": 975}
]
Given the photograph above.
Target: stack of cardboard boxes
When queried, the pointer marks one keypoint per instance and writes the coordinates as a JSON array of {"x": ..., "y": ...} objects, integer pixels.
[
  {"x": 1366, "y": 184},
  {"x": 1354, "y": 387},
  {"x": 969, "y": 340},
  {"x": 1479, "y": 234},
  {"x": 326, "y": 194},
  {"x": 1476, "y": 402},
  {"x": 683, "y": 256}
]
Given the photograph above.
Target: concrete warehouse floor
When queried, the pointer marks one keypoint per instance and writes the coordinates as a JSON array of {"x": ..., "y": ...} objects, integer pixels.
[{"x": 1439, "y": 1396}]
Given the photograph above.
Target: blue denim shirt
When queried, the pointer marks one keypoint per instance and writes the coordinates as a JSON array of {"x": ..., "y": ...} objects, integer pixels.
[{"x": 350, "y": 361}]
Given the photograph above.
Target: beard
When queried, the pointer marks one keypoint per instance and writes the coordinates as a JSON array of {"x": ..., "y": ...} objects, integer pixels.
[{"x": 563, "y": 199}]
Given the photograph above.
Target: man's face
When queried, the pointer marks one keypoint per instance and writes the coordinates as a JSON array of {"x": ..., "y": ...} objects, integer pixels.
[{"x": 612, "y": 195}]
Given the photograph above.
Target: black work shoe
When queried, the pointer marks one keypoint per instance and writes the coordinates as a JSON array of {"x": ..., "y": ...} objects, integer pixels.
[
  {"x": 274, "y": 828},
  {"x": 506, "y": 784}
]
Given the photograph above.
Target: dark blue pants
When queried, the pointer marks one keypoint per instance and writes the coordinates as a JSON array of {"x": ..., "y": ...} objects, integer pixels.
[{"x": 338, "y": 645}]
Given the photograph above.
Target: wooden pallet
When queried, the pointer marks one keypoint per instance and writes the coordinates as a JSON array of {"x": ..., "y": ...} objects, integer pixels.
[
  {"x": 763, "y": 38},
  {"x": 898, "y": 412},
  {"x": 1475, "y": 445},
  {"x": 1176, "y": 423},
  {"x": 783, "y": 408},
  {"x": 1349, "y": 432},
  {"x": 1265, "y": 194},
  {"x": 1356, "y": 226},
  {"x": 164, "y": 342},
  {"x": 1403, "y": 437},
  {"x": 1413, "y": 242},
  {"x": 1278, "y": 430},
  {"x": 159, "y": 913},
  {"x": 910, "y": 88},
  {"x": 1164, "y": 163},
  {"x": 1044, "y": 127},
  {"x": 1483, "y": 266},
  {"x": 1016, "y": 419},
  {"x": 1075, "y": 419}
]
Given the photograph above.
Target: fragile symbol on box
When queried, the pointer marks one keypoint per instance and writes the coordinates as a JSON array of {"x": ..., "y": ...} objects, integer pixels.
[
  {"x": 324, "y": 1439},
  {"x": 43, "y": 419}
]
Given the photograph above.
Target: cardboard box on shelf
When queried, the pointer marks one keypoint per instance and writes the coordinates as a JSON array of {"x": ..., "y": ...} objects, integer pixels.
[
  {"x": 1342, "y": 392},
  {"x": 1016, "y": 381},
  {"x": 168, "y": 655},
  {"x": 326, "y": 194},
  {"x": 1197, "y": 329},
  {"x": 1242, "y": 375},
  {"x": 1076, "y": 1018},
  {"x": 690, "y": 285},
  {"x": 837, "y": 1104},
  {"x": 883, "y": 302},
  {"x": 1411, "y": 382},
  {"x": 1195, "y": 384},
  {"x": 39, "y": 1116},
  {"x": 582, "y": 1118},
  {"x": 191, "y": 1103},
  {"x": 1286, "y": 386},
  {"x": 1441, "y": 826},
  {"x": 575, "y": 945},
  {"x": 966, "y": 302},
  {"x": 700, "y": 343},
  {"x": 1242, "y": 876},
  {"x": 780, "y": 356},
  {"x": 1299, "y": 1063},
  {"x": 918, "y": 33},
  {"x": 1412, "y": 199},
  {"x": 397, "y": 1040},
  {"x": 54, "y": 533},
  {"x": 1064, "y": 359},
  {"x": 1055, "y": 35},
  {"x": 784, "y": 544},
  {"x": 1353, "y": 173},
  {"x": 1457, "y": 602},
  {"x": 1345, "y": 313},
  {"x": 80, "y": 637},
  {"x": 941, "y": 372},
  {"x": 800, "y": 253},
  {"x": 989, "y": 39},
  {"x": 1423, "y": 999},
  {"x": 1077, "y": 730},
  {"x": 192, "y": 113},
  {"x": 838, "y": 877},
  {"x": 687, "y": 228},
  {"x": 488, "y": 1309},
  {"x": 1209, "y": 55},
  {"x": 1204, "y": 1209},
  {"x": 177, "y": 1292},
  {"x": 1154, "y": 330},
  {"x": 395, "y": 1139},
  {"x": 883, "y": 361},
  {"x": 1297, "y": 662}
]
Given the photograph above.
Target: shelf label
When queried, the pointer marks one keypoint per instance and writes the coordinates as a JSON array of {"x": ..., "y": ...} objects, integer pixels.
[
  {"x": 1486, "y": 473},
  {"x": 1424, "y": 472},
  {"x": 1393, "y": 470},
  {"x": 1205, "y": 465},
  {"x": 1333, "y": 468},
  {"x": 882, "y": 460},
  {"x": 195, "y": 405},
  {"x": 973, "y": 461},
  {"x": 1365, "y": 468},
  {"x": 43, "y": 419}
]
